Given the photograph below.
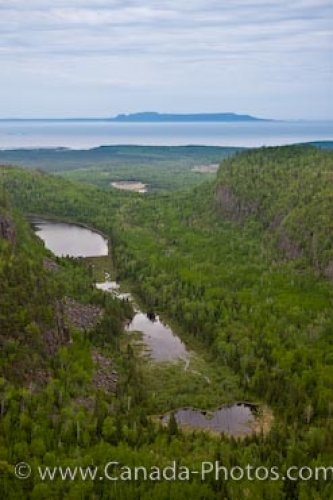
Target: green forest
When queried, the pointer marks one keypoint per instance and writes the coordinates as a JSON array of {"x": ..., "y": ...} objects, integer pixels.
[
  {"x": 240, "y": 264},
  {"x": 162, "y": 168}
]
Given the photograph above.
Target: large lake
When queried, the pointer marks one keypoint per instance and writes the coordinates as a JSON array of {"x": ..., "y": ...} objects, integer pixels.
[{"x": 88, "y": 134}]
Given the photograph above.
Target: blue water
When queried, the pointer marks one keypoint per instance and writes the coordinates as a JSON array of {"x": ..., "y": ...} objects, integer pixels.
[{"x": 85, "y": 135}]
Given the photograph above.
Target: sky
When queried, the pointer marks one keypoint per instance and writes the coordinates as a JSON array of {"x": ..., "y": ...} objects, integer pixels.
[{"x": 77, "y": 58}]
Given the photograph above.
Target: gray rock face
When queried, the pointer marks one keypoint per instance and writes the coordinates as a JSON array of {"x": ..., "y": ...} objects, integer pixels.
[
  {"x": 7, "y": 229},
  {"x": 81, "y": 316},
  {"x": 105, "y": 377},
  {"x": 329, "y": 270},
  {"x": 234, "y": 208},
  {"x": 288, "y": 247}
]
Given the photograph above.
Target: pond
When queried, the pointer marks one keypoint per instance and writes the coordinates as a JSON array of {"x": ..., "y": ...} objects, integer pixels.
[
  {"x": 235, "y": 420},
  {"x": 161, "y": 342},
  {"x": 64, "y": 239}
]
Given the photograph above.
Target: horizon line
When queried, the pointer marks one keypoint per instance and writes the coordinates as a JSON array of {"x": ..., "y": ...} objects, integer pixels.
[{"x": 114, "y": 118}]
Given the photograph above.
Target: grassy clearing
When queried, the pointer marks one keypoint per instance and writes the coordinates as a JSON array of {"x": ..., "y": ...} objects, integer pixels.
[{"x": 201, "y": 384}]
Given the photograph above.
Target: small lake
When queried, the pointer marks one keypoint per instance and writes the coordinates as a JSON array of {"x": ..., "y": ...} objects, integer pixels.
[
  {"x": 161, "y": 342},
  {"x": 64, "y": 239},
  {"x": 234, "y": 420}
]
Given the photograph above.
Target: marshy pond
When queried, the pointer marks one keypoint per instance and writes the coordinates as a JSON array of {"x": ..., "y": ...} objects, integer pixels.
[
  {"x": 239, "y": 419},
  {"x": 161, "y": 343}
]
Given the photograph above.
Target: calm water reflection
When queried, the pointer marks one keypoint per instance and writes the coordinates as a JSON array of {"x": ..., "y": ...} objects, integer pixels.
[
  {"x": 235, "y": 420},
  {"x": 163, "y": 344},
  {"x": 69, "y": 239},
  {"x": 160, "y": 340}
]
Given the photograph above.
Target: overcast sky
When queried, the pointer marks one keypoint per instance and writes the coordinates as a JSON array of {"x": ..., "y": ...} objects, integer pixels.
[{"x": 270, "y": 58}]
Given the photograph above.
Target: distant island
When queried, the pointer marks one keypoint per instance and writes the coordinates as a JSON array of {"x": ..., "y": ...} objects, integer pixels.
[{"x": 152, "y": 116}]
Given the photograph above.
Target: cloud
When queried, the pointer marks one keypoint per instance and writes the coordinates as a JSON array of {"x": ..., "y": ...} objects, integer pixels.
[{"x": 152, "y": 44}]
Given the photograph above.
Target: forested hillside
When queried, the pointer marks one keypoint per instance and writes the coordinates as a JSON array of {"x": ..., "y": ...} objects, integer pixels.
[
  {"x": 241, "y": 267},
  {"x": 290, "y": 191}
]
